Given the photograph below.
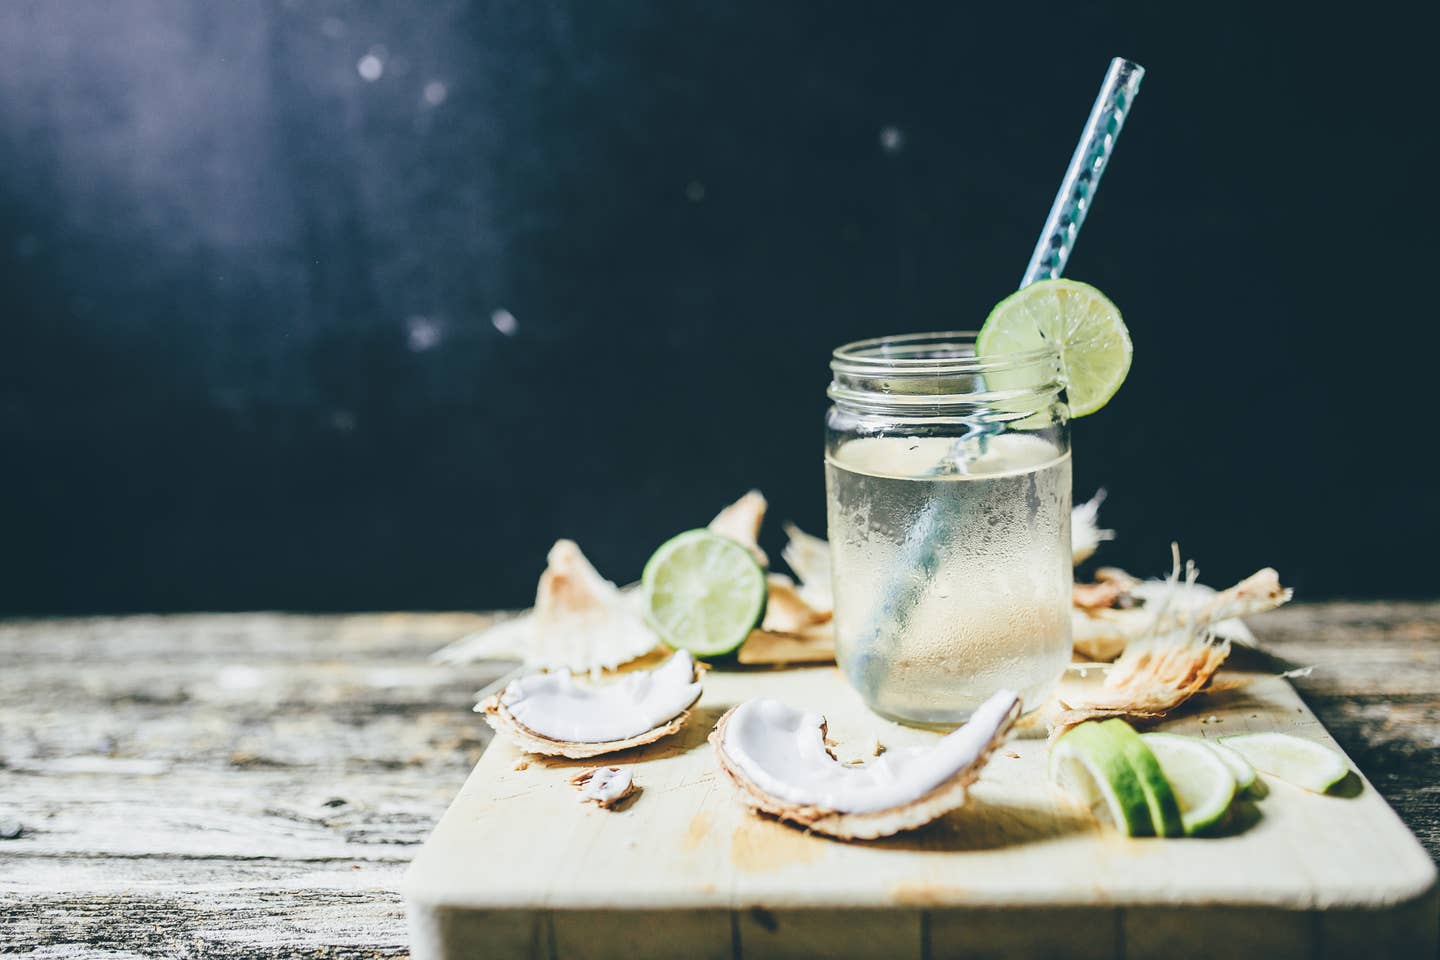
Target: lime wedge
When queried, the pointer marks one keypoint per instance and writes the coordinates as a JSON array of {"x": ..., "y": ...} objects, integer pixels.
[
  {"x": 1164, "y": 809},
  {"x": 1304, "y": 763},
  {"x": 1089, "y": 763},
  {"x": 1240, "y": 768},
  {"x": 704, "y": 592},
  {"x": 1203, "y": 784},
  {"x": 1094, "y": 345}
]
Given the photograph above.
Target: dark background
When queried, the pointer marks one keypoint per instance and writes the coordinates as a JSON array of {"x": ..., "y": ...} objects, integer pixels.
[{"x": 326, "y": 306}]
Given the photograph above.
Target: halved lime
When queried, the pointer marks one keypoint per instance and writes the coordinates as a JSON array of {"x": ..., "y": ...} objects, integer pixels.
[
  {"x": 1164, "y": 808},
  {"x": 1304, "y": 763},
  {"x": 1095, "y": 347},
  {"x": 1089, "y": 763},
  {"x": 704, "y": 593},
  {"x": 1202, "y": 782}
]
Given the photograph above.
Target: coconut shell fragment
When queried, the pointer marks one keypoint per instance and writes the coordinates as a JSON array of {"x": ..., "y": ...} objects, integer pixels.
[
  {"x": 793, "y": 630},
  {"x": 552, "y": 715},
  {"x": 771, "y": 648},
  {"x": 581, "y": 621},
  {"x": 778, "y": 760},
  {"x": 741, "y": 522},
  {"x": 606, "y": 787},
  {"x": 531, "y": 742},
  {"x": 1178, "y": 654}
]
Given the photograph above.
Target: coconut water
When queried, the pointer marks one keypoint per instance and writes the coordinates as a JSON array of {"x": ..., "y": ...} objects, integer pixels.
[{"x": 952, "y": 571}]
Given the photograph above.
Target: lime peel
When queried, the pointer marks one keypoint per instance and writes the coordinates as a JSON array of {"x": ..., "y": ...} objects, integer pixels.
[
  {"x": 1203, "y": 783},
  {"x": 1303, "y": 763},
  {"x": 1165, "y": 816},
  {"x": 1089, "y": 762}
]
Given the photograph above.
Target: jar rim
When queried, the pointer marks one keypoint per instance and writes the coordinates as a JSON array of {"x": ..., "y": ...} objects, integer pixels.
[
  {"x": 933, "y": 374},
  {"x": 939, "y": 353}
]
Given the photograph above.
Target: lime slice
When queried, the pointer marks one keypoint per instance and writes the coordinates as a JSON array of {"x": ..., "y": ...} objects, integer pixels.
[
  {"x": 1304, "y": 763},
  {"x": 1094, "y": 344},
  {"x": 1159, "y": 798},
  {"x": 704, "y": 592},
  {"x": 1240, "y": 768},
  {"x": 1089, "y": 763},
  {"x": 1203, "y": 784}
]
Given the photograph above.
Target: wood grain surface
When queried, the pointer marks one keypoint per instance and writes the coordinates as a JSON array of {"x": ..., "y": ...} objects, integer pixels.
[
  {"x": 254, "y": 784},
  {"x": 517, "y": 851}
]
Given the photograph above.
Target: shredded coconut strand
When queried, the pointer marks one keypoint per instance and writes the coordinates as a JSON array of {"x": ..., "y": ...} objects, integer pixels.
[
  {"x": 1180, "y": 652},
  {"x": 1085, "y": 533}
]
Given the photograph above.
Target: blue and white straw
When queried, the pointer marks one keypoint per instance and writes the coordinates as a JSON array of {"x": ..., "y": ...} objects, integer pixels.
[{"x": 1082, "y": 178}]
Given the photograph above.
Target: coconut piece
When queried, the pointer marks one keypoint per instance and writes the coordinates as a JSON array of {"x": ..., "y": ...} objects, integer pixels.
[
  {"x": 792, "y": 632},
  {"x": 1095, "y": 596},
  {"x": 1098, "y": 637},
  {"x": 1116, "y": 576},
  {"x": 808, "y": 557},
  {"x": 604, "y": 786},
  {"x": 766, "y": 648},
  {"x": 553, "y": 715},
  {"x": 741, "y": 522},
  {"x": 1085, "y": 533},
  {"x": 786, "y": 611},
  {"x": 1108, "y": 615},
  {"x": 777, "y": 758},
  {"x": 1178, "y": 655},
  {"x": 581, "y": 622},
  {"x": 857, "y": 752},
  {"x": 1193, "y": 596}
]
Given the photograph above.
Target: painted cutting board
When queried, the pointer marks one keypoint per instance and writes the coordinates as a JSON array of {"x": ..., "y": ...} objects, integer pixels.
[{"x": 518, "y": 867}]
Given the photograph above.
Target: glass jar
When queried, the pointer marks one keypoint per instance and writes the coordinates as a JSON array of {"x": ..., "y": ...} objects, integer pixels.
[{"x": 947, "y": 481}]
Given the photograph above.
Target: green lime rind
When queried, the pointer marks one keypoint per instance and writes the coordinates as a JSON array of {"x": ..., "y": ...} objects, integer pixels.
[
  {"x": 1095, "y": 346},
  {"x": 703, "y": 593},
  {"x": 1297, "y": 761},
  {"x": 1089, "y": 762},
  {"x": 1165, "y": 816},
  {"x": 1202, "y": 782}
]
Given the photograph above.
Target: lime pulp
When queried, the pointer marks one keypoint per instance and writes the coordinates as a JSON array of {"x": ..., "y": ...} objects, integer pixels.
[
  {"x": 704, "y": 593},
  {"x": 1094, "y": 344}
]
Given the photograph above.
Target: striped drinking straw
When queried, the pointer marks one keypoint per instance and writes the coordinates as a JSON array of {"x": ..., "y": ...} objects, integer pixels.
[{"x": 921, "y": 551}]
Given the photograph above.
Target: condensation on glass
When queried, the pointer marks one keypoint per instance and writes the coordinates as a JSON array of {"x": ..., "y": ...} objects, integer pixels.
[{"x": 948, "y": 493}]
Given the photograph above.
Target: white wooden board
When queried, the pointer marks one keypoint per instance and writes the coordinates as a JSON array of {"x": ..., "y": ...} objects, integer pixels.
[{"x": 519, "y": 868}]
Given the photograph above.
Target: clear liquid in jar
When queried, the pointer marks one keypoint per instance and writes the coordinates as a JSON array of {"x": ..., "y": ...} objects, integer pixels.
[{"x": 952, "y": 571}]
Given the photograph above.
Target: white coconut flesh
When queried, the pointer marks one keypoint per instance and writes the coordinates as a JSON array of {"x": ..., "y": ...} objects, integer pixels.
[
  {"x": 781, "y": 751},
  {"x": 556, "y": 707},
  {"x": 809, "y": 557},
  {"x": 604, "y": 785}
]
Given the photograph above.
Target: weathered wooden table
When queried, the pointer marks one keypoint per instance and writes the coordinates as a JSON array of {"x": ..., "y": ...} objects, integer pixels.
[{"x": 252, "y": 785}]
